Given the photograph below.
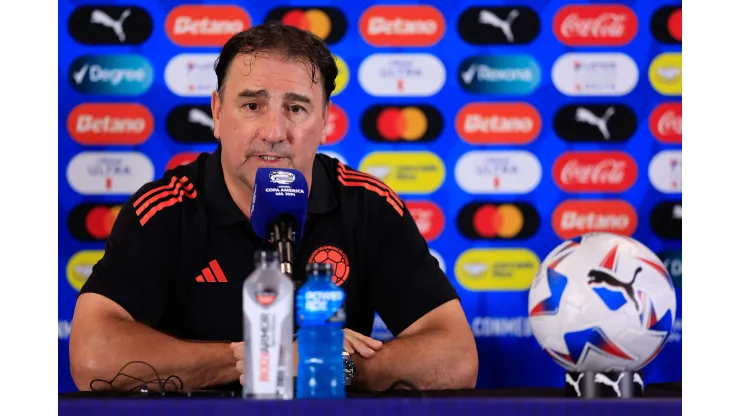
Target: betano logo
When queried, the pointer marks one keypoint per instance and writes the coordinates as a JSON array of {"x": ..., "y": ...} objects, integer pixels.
[
  {"x": 665, "y": 123},
  {"x": 499, "y": 74},
  {"x": 205, "y": 25},
  {"x": 402, "y": 75},
  {"x": 90, "y": 222},
  {"x": 429, "y": 218},
  {"x": 500, "y": 220},
  {"x": 191, "y": 75},
  {"x": 110, "y": 123},
  {"x": 402, "y": 25},
  {"x": 109, "y": 173},
  {"x": 498, "y": 172},
  {"x": 486, "y": 269},
  {"x": 342, "y": 76},
  {"x": 413, "y": 123},
  {"x": 498, "y": 123},
  {"x": 119, "y": 74},
  {"x": 80, "y": 265},
  {"x": 576, "y": 217},
  {"x": 336, "y": 125},
  {"x": 328, "y": 23},
  {"x": 665, "y": 73},
  {"x": 406, "y": 172}
]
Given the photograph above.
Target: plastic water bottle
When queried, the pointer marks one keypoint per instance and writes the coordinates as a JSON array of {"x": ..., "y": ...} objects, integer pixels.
[
  {"x": 320, "y": 310},
  {"x": 267, "y": 300}
]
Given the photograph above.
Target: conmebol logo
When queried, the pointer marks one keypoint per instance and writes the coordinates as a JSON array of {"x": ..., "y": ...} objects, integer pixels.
[
  {"x": 120, "y": 74},
  {"x": 591, "y": 74},
  {"x": 191, "y": 75},
  {"x": 499, "y": 74}
]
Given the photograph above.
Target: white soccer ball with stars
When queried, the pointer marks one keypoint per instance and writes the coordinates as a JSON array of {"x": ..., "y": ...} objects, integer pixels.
[{"x": 602, "y": 302}]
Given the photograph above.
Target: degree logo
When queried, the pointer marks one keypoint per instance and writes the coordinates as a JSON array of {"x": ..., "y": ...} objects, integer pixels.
[
  {"x": 413, "y": 123},
  {"x": 181, "y": 159},
  {"x": 336, "y": 125},
  {"x": 498, "y": 123},
  {"x": 402, "y": 25},
  {"x": 487, "y": 269},
  {"x": 496, "y": 221},
  {"x": 406, "y": 172},
  {"x": 110, "y": 124},
  {"x": 328, "y": 23},
  {"x": 119, "y": 74},
  {"x": 342, "y": 76},
  {"x": 205, "y": 25},
  {"x": 429, "y": 218},
  {"x": 89, "y": 222},
  {"x": 80, "y": 265},
  {"x": 665, "y": 73},
  {"x": 499, "y": 74}
]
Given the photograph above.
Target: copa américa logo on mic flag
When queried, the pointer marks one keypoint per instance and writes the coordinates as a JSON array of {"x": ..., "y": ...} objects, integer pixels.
[{"x": 278, "y": 193}]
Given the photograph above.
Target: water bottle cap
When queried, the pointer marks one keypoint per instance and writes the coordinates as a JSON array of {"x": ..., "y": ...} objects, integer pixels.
[
  {"x": 263, "y": 256},
  {"x": 321, "y": 268}
]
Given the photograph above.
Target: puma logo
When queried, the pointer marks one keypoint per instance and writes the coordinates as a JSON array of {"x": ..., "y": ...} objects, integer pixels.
[
  {"x": 574, "y": 383},
  {"x": 599, "y": 276},
  {"x": 600, "y": 378}
]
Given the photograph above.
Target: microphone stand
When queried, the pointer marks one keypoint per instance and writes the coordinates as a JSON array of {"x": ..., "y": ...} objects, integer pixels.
[{"x": 283, "y": 235}]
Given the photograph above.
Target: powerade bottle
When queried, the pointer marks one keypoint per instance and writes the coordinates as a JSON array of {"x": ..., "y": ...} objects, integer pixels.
[
  {"x": 267, "y": 301},
  {"x": 319, "y": 306}
]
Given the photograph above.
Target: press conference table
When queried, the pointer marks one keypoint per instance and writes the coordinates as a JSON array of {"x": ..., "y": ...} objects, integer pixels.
[{"x": 660, "y": 399}]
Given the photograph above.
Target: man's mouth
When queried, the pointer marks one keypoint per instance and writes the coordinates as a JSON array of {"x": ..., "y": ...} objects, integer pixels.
[{"x": 269, "y": 158}]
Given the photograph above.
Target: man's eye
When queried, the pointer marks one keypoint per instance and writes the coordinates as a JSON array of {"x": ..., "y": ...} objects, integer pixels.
[
  {"x": 295, "y": 108},
  {"x": 252, "y": 106}
]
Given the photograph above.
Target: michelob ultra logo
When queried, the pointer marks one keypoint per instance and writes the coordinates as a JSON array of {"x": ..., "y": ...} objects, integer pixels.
[
  {"x": 482, "y": 269},
  {"x": 406, "y": 172},
  {"x": 80, "y": 265},
  {"x": 119, "y": 74},
  {"x": 665, "y": 73}
]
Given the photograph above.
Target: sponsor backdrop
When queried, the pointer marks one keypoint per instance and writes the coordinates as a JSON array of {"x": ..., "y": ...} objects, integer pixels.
[{"x": 506, "y": 126}]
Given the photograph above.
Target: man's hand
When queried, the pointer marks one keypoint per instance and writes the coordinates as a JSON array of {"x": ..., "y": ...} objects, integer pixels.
[{"x": 354, "y": 342}]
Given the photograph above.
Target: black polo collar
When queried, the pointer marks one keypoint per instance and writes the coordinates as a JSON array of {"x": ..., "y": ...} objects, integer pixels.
[{"x": 224, "y": 210}]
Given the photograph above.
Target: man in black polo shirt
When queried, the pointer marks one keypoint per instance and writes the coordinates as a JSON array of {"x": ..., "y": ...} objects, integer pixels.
[{"x": 168, "y": 289}]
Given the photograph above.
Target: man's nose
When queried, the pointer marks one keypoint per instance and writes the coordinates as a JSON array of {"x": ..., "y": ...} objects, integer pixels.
[{"x": 273, "y": 127}]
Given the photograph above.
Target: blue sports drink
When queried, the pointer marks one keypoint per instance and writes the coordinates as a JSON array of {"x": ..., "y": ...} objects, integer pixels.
[{"x": 320, "y": 313}]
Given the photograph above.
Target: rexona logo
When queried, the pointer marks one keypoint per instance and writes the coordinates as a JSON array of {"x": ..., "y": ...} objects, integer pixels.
[
  {"x": 595, "y": 123},
  {"x": 328, "y": 23},
  {"x": 119, "y": 74},
  {"x": 191, "y": 75},
  {"x": 80, "y": 265},
  {"x": 665, "y": 171},
  {"x": 180, "y": 159},
  {"x": 591, "y": 74},
  {"x": 590, "y": 171},
  {"x": 576, "y": 217},
  {"x": 110, "y": 25},
  {"x": 666, "y": 220},
  {"x": 89, "y": 222},
  {"x": 487, "y": 269},
  {"x": 518, "y": 25},
  {"x": 402, "y": 25},
  {"x": 191, "y": 124},
  {"x": 109, "y": 173},
  {"x": 413, "y": 123},
  {"x": 498, "y": 172},
  {"x": 666, "y": 25},
  {"x": 672, "y": 262},
  {"x": 399, "y": 75},
  {"x": 205, "y": 25},
  {"x": 666, "y": 73},
  {"x": 595, "y": 25},
  {"x": 336, "y": 125},
  {"x": 496, "y": 221},
  {"x": 665, "y": 123},
  {"x": 110, "y": 124},
  {"x": 499, "y": 74},
  {"x": 428, "y": 217},
  {"x": 498, "y": 123},
  {"x": 406, "y": 172}
]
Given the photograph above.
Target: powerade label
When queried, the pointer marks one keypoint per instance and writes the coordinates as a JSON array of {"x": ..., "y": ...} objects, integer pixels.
[{"x": 320, "y": 305}]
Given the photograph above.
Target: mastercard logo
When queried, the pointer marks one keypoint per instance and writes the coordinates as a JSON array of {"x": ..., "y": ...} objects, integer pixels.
[
  {"x": 498, "y": 123},
  {"x": 110, "y": 124},
  {"x": 429, "y": 218},
  {"x": 80, "y": 265},
  {"x": 402, "y": 25},
  {"x": 342, "y": 76},
  {"x": 498, "y": 221},
  {"x": 336, "y": 125},
  {"x": 415, "y": 123},
  {"x": 181, "y": 159},
  {"x": 89, "y": 222},
  {"x": 328, "y": 23},
  {"x": 205, "y": 25},
  {"x": 486, "y": 269}
]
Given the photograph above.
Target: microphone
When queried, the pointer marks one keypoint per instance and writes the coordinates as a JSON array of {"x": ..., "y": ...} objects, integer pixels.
[{"x": 278, "y": 211}]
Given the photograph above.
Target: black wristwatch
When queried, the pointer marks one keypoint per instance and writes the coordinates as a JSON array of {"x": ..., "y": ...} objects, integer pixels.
[{"x": 349, "y": 368}]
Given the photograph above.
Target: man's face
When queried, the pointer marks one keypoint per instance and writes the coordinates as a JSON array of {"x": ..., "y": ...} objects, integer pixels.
[{"x": 271, "y": 115}]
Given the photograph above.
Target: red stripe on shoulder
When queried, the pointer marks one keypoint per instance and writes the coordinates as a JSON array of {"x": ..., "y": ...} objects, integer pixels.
[
  {"x": 355, "y": 175},
  {"x": 159, "y": 198},
  {"x": 370, "y": 187}
]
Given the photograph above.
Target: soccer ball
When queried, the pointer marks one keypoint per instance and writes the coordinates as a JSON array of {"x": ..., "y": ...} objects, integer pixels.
[{"x": 602, "y": 302}]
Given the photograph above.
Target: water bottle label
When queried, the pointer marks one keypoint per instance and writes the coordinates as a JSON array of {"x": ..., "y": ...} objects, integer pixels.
[{"x": 321, "y": 306}]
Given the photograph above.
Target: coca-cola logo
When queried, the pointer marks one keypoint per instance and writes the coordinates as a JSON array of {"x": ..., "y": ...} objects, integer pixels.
[
  {"x": 665, "y": 123},
  {"x": 595, "y": 25},
  {"x": 576, "y": 217},
  {"x": 428, "y": 217},
  {"x": 595, "y": 171}
]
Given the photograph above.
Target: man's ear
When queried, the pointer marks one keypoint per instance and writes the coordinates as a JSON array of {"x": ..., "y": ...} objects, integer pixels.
[
  {"x": 216, "y": 113},
  {"x": 326, "y": 122}
]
